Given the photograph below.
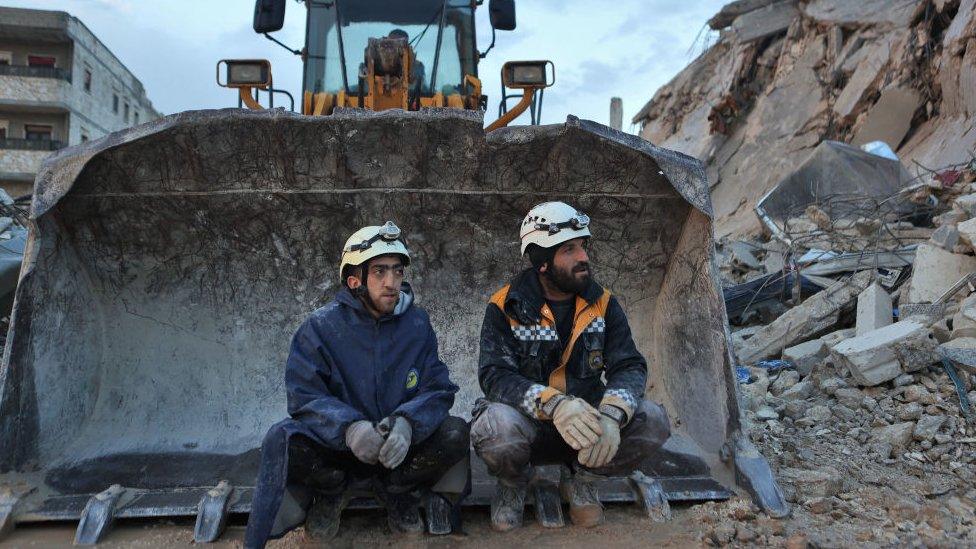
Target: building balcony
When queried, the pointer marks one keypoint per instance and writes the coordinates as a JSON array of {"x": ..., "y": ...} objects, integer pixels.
[
  {"x": 46, "y": 92},
  {"x": 31, "y": 144},
  {"x": 36, "y": 72}
]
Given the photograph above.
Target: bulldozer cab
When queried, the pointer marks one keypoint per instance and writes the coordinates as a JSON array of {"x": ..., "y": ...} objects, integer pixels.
[
  {"x": 437, "y": 36},
  {"x": 386, "y": 54}
]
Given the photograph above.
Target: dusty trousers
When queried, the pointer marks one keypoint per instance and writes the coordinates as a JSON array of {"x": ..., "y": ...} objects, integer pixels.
[
  {"x": 294, "y": 468},
  {"x": 510, "y": 442}
]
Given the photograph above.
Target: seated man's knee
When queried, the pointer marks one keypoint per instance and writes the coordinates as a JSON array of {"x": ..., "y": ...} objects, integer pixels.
[
  {"x": 651, "y": 426},
  {"x": 454, "y": 432},
  {"x": 501, "y": 434},
  {"x": 277, "y": 435}
]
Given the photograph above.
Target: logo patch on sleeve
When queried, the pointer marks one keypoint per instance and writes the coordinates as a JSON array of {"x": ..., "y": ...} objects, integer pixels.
[{"x": 412, "y": 378}]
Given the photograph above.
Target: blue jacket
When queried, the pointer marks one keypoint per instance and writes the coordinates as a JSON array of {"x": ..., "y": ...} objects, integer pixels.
[{"x": 345, "y": 366}]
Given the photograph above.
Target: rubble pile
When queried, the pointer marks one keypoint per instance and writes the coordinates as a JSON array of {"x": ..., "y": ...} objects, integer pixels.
[
  {"x": 863, "y": 393},
  {"x": 787, "y": 75}
]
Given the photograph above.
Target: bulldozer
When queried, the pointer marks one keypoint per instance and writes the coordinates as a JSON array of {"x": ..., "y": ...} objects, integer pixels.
[{"x": 167, "y": 266}]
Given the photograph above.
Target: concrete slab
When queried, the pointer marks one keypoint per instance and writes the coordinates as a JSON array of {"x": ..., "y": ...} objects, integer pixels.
[
  {"x": 814, "y": 316},
  {"x": 884, "y": 354},
  {"x": 936, "y": 270},
  {"x": 762, "y": 22},
  {"x": 890, "y": 118}
]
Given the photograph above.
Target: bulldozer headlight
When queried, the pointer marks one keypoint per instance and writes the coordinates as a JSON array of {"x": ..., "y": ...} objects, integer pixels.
[
  {"x": 529, "y": 74},
  {"x": 245, "y": 73}
]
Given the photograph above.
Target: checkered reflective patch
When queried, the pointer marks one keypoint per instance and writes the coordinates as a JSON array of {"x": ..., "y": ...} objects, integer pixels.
[
  {"x": 623, "y": 395},
  {"x": 530, "y": 399},
  {"x": 536, "y": 332},
  {"x": 598, "y": 325}
]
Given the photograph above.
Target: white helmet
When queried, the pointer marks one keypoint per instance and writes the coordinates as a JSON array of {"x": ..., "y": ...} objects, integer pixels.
[
  {"x": 370, "y": 242},
  {"x": 552, "y": 223}
]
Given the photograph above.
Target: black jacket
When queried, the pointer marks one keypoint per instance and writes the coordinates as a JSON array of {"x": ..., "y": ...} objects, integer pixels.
[{"x": 521, "y": 351}]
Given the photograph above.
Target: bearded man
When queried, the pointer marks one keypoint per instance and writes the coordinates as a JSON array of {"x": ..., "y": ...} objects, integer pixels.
[{"x": 563, "y": 380}]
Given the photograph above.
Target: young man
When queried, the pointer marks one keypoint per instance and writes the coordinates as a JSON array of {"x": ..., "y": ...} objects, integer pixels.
[
  {"x": 368, "y": 399},
  {"x": 547, "y": 340}
]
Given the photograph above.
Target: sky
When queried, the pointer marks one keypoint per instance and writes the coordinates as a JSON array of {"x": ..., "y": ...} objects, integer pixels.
[{"x": 628, "y": 51}]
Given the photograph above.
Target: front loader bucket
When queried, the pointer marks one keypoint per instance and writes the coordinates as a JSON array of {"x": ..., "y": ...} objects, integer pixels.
[{"x": 169, "y": 264}]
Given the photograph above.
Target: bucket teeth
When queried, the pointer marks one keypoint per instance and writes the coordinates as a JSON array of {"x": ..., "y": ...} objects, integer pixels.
[
  {"x": 650, "y": 495},
  {"x": 8, "y": 500},
  {"x": 438, "y": 512},
  {"x": 548, "y": 505},
  {"x": 98, "y": 516},
  {"x": 212, "y": 513}
]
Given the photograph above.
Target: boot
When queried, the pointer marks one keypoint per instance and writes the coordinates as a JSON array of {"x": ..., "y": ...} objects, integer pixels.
[
  {"x": 322, "y": 522},
  {"x": 585, "y": 508},
  {"x": 506, "y": 507},
  {"x": 403, "y": 513}
]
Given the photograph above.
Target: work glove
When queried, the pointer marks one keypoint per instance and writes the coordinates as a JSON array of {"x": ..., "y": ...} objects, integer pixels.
[
  {"x": 364, "y": 441},
  {"x": 577, "y": 422},
  {"x": 397, "y": 442},
  {"x": 603, "y": 451}
]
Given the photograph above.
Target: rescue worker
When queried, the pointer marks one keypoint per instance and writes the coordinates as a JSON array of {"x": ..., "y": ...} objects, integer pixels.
[
  {"x": 368, "y": 399},
  {"x": 547, "y": 340}
]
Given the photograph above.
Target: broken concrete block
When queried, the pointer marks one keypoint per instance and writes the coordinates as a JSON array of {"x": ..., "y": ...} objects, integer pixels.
[
  {"x": 946, "y": 237},
  {"x": 806, "y": 356},
  {"x": 967, "y": 203},
  {"x": 962, "y": 353},
  {"x": 814, "y": 316},
  {"x": 811, "y": 483},
  {"x": 966, "y": 231},
  {"x": 864, "y": 78},
  {"x": 883, "y": 354},
  {"x": 873, "y": 309},
  {"x": 849, "y": 396},
  {"x": 935, "y": 271},
  {"x": 890, "y": 118},
  {"x": 927, "y": 427},
  {"x": 897, "y": 435},
  {"x": 762, "y": 22},
  {"x": 801, "y": 391},
  {"x": 833, "y": 338},
  {"x": 784, "y": 381},
  {"x": 734, "y": 9},
  {"x": 924, "y": 312},
  {"x": 863, "y": 12}
]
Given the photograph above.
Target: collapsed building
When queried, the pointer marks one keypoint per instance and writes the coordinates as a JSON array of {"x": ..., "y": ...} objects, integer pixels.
[{"x": 785, "y": 75}]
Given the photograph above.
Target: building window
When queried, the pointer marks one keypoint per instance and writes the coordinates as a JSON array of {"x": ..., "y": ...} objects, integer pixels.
[
  {"x": 3, "y": 128},
  {"x": 125, "y": 115},
  {"x": 84, "y": 135},
  {"x": 6, "y": 58},
  {"x": 41, "y": 61},
  {"x": 88, "y": 79},
  {"x": 135, "y": 117},
  {"x": 37, "y": 132},
  {"x": 115, "y": 103}
]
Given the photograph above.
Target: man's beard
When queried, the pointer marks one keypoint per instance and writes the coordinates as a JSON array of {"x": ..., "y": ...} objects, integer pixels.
[{"x": 566, "y": 281}]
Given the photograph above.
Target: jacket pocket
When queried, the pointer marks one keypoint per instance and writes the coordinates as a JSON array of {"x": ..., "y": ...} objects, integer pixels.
[
  {"x": 530, "y": 360},
  {"x": 591, "y": 362}
]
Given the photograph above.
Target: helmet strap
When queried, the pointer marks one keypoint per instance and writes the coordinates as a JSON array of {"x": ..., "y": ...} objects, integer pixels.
[{"x": 361, "y": 292}]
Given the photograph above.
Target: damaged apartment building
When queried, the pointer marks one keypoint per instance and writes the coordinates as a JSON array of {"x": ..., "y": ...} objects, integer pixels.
[{"x": 59, "y": 86}]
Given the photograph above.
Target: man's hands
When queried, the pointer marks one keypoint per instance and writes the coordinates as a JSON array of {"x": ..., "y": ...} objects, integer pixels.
[
  {"x": 368, "y": 445},
  {"x": 364, "y": 441},
  {"x": 397, "y": 441},
  {"x": 577, "y": 422},
  {"x": 603, "y": 451}
]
